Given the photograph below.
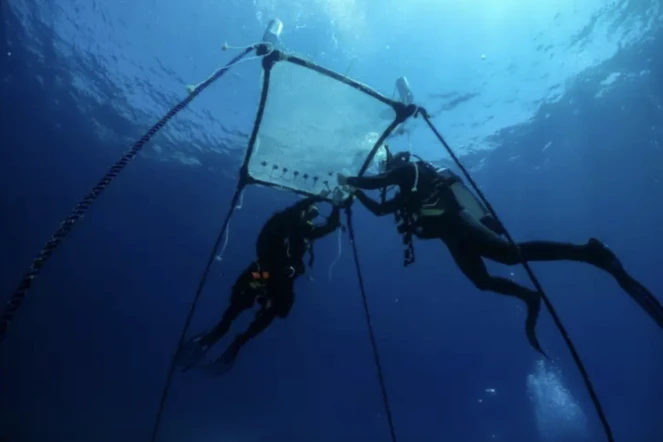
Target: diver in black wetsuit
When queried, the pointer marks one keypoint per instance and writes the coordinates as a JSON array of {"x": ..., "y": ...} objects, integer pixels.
[
  {"x": 268, "y": 281},
  {"x": 433, "y": 203}
]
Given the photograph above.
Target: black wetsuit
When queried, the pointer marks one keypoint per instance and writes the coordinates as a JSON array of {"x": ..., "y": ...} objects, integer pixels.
[
  {"x": 269, "y": 281},
  {"x": 469, "y": 240}
]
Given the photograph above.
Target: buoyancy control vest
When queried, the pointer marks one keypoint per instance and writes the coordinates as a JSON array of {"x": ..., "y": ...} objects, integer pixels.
[
  {"x": 281, "y": 250},
  {"x": 437, "y": 191}
]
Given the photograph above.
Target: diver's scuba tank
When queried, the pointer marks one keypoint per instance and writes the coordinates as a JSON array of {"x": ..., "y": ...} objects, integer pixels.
[
  {"x": 463, "y": 195},
  {"x": 469, "y": 201},
  {"x": 466, "y": 199}
]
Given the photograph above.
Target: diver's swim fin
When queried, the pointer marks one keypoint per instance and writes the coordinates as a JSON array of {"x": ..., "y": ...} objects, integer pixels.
[
  {"x": 642, "y": 296},
  {"x": 533, "y": 309},
  {"x": 191, "y": 353},
  {"x": 602, "y": 257}
]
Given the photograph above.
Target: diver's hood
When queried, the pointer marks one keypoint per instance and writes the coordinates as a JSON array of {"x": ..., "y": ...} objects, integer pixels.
[{"x": 397, "y": 160}]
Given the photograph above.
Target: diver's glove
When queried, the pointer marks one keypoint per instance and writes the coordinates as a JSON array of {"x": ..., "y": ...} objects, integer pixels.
[
  {"x": 323, "y": 195},
  {"x": 343, "y": 196},
  {"x": 338, "y": 197}
]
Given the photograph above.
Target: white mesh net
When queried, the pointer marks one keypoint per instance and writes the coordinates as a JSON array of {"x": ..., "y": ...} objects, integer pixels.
[{"x": 314, "y": 127}]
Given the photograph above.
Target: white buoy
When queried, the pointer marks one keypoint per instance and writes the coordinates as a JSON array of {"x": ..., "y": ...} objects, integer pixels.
[{"x": 483, "y": 56}]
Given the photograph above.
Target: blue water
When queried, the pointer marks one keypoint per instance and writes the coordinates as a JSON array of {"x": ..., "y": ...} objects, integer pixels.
[{"x": 556, "y": 110}]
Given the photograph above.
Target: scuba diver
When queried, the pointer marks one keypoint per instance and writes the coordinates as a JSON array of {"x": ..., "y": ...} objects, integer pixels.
[
  {"x": 434, "y": 203},
  {"x": 268, "y": 281}
]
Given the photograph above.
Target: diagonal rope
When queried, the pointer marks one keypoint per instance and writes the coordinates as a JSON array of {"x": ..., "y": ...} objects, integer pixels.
[
  {"x": 192, "y": 309},
  {"x": 535, "y": 282},
  {"x": 371, "y": 333},
  {"x": 81, "y": 208}
]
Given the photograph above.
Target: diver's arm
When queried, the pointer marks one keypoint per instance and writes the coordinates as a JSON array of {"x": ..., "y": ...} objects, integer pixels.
[
  {"x": 397, "y": 176},
  {"x": 332, "y": 224},
  {"x": 380, "y": 209}
]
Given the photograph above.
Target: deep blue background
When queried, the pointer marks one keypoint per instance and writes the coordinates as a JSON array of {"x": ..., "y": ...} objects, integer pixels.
[{"x": 87, "y": 356}]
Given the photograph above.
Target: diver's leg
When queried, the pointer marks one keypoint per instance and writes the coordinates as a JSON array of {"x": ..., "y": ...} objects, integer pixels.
[
  {"x": 231, "y": 313},
  {"x": 242, "y": 298},
  {"x": 490, "y": 245},
  {"x": 263, "y": 319},
  {"x": 280, "y": 301},
  {"x": 284, "y": 298},
  {"x": 486, "y": 243},
  {"x": 474, "y": 268},
  {"x": 279, "y": 305}
]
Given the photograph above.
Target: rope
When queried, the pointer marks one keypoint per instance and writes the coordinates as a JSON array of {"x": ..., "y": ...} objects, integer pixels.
[
  {"x": 79, "y": 211},
  {"x": 227, "y": 235},
  {"x": 535, "y": 282},
  {"x": 192, "y": 309},
  {"x": 338, "y": 256},
  {"x": 371, "y": 333},
  {"x": 193, "y": 87}
]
